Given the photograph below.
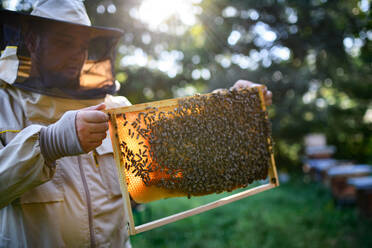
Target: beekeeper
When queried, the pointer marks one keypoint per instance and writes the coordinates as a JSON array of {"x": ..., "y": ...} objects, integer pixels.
[{"x": 58, "y": 181}]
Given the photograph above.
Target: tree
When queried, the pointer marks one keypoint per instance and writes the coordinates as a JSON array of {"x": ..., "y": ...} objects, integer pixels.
[{"x": 314, "y": 55}]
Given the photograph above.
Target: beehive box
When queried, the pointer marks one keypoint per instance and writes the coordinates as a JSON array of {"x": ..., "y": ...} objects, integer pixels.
[
  {"x": 363, "y": 187},
  {"x": 190, "y": 147},
  {"x": 338, "y": 176}
]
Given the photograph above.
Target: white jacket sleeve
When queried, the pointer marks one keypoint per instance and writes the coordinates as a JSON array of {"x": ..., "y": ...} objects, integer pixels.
[{"x": 22, "y": 166}]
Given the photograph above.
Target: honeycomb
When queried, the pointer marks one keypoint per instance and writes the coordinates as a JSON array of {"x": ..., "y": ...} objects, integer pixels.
[{"x": 205, "y": 144}]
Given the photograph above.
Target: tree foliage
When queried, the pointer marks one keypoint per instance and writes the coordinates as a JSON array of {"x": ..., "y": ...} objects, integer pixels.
[{"x": 315, "y": 56}]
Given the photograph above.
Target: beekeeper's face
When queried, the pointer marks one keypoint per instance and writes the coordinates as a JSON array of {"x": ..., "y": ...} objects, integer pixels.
[{"x": 58, "y": 56}]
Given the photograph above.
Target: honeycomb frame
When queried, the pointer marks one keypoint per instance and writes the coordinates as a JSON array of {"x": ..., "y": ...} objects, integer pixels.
[{"x": 123, "y": 178}]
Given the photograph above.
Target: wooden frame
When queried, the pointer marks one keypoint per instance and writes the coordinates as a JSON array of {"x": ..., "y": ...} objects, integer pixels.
[{"x": 132, "y": 229}]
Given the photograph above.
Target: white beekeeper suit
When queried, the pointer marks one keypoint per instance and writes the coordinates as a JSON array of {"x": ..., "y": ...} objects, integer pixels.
[{"x": 75, "y": 202}]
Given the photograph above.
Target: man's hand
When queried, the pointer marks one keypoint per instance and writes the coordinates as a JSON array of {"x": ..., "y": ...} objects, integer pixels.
[
  {"x": 77, "y": 132},
  {"x": 91, "y": 126},
  {"x": 240, "y": 84}
]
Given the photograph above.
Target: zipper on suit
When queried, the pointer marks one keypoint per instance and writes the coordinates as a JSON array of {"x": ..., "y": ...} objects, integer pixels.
[{"x": 89, "y": 204}]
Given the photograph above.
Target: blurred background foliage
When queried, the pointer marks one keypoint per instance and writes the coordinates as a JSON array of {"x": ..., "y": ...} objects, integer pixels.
[{"x": 315, "y": 56}]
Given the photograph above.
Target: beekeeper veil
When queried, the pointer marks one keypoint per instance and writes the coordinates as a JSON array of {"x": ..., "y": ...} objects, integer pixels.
[{"x": 55, "y": 51}]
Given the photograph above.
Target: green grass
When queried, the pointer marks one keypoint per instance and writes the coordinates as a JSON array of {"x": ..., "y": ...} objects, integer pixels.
[{"x": 293, "y": 215}]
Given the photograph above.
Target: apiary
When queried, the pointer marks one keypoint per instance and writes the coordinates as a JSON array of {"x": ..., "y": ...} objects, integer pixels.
[{"x": 193, "y": 146}]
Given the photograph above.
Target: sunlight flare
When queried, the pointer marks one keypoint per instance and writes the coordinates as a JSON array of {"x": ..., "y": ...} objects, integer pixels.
[{"x": 157, "y": 12}]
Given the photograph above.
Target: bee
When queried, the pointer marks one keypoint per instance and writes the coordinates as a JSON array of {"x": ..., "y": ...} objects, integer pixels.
[
  {"x": 139, "y": 157},
  {"x": 139, "y": 116},
  {"x": 161, "y": 115},
  {"x": 126, "y": 166}
]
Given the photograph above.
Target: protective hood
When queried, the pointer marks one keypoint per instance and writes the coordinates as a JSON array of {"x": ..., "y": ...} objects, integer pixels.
[{"x": 57, "y": 58}]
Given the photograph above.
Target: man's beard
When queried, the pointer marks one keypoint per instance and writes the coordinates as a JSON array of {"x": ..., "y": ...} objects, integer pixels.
[{"x": 55, "y": 78}]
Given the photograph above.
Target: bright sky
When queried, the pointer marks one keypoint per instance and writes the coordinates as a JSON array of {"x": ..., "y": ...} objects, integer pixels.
[{"x": 156, "y": 12}]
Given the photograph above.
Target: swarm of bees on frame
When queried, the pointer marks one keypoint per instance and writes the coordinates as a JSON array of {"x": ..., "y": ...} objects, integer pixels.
[{"x": 204, "y": 145}]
